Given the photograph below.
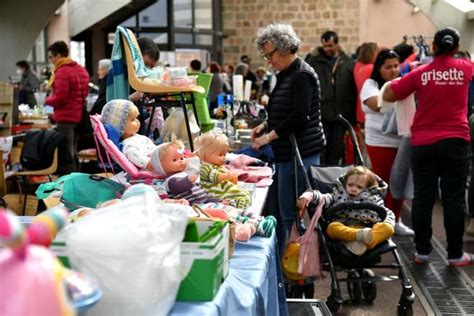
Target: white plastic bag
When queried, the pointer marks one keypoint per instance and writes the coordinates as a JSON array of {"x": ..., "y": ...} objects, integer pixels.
[
  {"x": 133, "y": 250},
  {"x": 175, "y": 123}
]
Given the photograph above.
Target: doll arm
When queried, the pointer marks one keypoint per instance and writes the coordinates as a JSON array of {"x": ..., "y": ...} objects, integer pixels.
[{"x": 229, "y": 175}]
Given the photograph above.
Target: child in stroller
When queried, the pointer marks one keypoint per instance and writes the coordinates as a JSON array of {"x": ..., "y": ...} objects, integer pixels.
[{"x": 360, "y": 229}]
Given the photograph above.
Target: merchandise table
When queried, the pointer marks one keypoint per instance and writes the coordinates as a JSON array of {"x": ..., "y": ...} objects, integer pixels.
[{"x": 253, "y": 286}]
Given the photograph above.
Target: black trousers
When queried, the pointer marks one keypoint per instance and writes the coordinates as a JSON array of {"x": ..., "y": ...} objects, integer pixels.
[
  {"x": 447, "y": 163},
  {"x": 333, "y": 153}
]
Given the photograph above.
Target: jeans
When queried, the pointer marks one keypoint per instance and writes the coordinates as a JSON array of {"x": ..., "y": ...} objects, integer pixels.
[
  {"x": 448, "y": 162},
  {"x": 287, "y": 194}
]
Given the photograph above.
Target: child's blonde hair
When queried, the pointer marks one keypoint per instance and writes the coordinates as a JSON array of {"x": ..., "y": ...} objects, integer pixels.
[
  {"x": 209, "y": 143},
  {"x": 175, "y": 142},
  {"x": 362, "y": 171}
]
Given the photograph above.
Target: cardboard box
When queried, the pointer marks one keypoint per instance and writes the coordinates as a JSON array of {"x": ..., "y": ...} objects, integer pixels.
[{"x": 204, "y": 265}]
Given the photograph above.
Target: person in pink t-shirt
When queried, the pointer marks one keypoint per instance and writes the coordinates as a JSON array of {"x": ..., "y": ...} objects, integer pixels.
[{"x": 440, "y": 143}]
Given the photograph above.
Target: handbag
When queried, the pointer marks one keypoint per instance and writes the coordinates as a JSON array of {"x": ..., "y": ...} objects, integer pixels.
[
  {"x": 389, "y": 123},
  {"x": 301, "y": 257},
  {"x": 84, "y": 127}
]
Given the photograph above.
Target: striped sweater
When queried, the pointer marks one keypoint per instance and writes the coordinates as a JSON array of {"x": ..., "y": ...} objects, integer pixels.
[{"x": 226, "y": 189}]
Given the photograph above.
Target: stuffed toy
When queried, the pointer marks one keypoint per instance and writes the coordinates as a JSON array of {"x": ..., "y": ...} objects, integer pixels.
[{"x": 34, "y": 282}]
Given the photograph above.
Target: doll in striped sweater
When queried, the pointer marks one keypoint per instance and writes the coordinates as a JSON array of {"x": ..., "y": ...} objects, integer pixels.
[{"x": 219, "y": 182}]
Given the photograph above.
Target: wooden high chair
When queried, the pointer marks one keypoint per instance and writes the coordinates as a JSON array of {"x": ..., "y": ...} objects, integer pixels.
[{"x": 159, "y": 90}]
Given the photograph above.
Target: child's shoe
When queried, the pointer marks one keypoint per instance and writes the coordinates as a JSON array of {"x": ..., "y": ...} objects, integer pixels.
[
  {"x": 356, "y": 247},
  {"x": 365, "y": 235},
  {"x": 465, "y": 260},
  {"x": 420, "y": 259}
]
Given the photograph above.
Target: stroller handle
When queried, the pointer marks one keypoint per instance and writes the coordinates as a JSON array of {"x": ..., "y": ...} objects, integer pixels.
[
  {"x": 380, "y": 210},
  {"x": 357, "y": 152}
]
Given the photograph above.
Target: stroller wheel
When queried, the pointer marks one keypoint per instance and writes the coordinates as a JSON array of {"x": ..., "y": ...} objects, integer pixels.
[
  {"x": 354, "y": 288},
  {"x": 403, "y": 310},
  {"x": 369, "y": 289}
]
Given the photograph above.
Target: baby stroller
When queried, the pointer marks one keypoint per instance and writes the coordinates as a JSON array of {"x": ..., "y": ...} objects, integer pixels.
[{"x": 335, "y": 256}]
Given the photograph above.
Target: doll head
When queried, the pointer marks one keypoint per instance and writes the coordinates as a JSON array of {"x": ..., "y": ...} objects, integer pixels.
[
  {"x": 212, "y": 148},
  {"x": 122, "y": 115},
  {"x": 358, "y": 179},
  {"x": 168, "y": 158}
]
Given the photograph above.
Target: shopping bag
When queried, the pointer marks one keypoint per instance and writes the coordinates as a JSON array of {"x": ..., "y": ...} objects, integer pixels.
[
  {"x": 81, "y": 190},
  {"x": 175, "y": 124},
  {"x": 308, "y": 260},
  {"x": 132, "y": 248}
]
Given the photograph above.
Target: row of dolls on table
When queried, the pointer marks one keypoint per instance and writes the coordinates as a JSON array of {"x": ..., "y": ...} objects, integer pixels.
[{"x": 198, "y": 178}]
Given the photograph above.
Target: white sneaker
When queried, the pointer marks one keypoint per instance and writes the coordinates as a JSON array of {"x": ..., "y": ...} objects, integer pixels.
[{"x": 403, "y": 230}]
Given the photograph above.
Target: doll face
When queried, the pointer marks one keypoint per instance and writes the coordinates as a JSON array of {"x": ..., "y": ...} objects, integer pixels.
[
  {"x": 216, "y": 157},
  {"x": 173, "y": 161},
  {"x": 355, "y": 184},
  {"x": 131, "y": 127}
]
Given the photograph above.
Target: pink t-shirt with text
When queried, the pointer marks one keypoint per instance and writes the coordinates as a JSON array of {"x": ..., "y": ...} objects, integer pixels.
[{"x": 442, "y": 88}]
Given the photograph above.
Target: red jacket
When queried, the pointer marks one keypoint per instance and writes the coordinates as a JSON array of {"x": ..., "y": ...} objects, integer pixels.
[{"x": 67, "y": 98}]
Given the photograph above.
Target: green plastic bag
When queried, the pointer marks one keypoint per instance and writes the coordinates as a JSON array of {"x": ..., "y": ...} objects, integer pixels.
[{"x": 81, "y": 190}]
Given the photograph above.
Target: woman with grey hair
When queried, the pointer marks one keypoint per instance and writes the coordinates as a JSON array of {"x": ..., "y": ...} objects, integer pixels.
[
  {"x": 102, "y": 72},
  {"x": 293, "y": 108}
]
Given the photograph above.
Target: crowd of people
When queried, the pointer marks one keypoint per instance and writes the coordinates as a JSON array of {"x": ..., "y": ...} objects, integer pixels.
[{"x": 306, "y": 95}]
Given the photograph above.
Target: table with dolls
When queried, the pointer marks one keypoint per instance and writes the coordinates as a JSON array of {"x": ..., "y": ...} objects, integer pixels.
[{"x": 134, "y": 240}]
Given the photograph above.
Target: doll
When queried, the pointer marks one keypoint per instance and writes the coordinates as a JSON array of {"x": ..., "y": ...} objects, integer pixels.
[
  {"x": 182, "y": 173},
  {"x": 212, "y": 149},
  {"x": 120, "y": 117}
]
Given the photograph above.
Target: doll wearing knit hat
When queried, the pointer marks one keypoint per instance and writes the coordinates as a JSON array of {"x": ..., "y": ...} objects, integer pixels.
[{"x": 120, "y": 116}]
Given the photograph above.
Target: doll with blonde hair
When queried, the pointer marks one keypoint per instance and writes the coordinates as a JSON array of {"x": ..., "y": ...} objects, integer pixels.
[
  {"x": 358, "y": 229},
  {"x": 211, "y": 149}
]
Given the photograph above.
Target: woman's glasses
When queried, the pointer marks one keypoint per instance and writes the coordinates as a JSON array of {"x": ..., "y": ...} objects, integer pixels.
[{"x": 269, "y": 55}]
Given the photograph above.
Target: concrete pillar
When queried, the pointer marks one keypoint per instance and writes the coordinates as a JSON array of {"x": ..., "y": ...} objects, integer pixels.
[{"x": 20, "y": 23}]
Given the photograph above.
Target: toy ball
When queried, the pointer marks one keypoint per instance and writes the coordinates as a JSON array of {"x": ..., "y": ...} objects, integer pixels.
[{"x": 290, "y": 262}]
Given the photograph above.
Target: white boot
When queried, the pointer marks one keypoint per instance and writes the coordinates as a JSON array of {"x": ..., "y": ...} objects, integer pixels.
[{"x": 402, "y": 229}]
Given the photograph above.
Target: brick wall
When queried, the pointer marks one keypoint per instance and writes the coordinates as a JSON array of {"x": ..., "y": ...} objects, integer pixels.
[{"x": 309, "y": 18}]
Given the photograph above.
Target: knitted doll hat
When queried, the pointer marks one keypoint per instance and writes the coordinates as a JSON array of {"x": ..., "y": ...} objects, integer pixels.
[{"x": 115, "y": 113}]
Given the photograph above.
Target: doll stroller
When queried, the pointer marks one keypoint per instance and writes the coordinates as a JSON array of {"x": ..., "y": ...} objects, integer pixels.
[{"x": 335, "y": 257}]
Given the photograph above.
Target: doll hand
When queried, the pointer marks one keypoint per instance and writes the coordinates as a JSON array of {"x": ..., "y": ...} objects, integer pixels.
[
  {"x": 258, "y": 131},
  {"x": 232, "y": 176},
  {"x": 192, "y": 178}
]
